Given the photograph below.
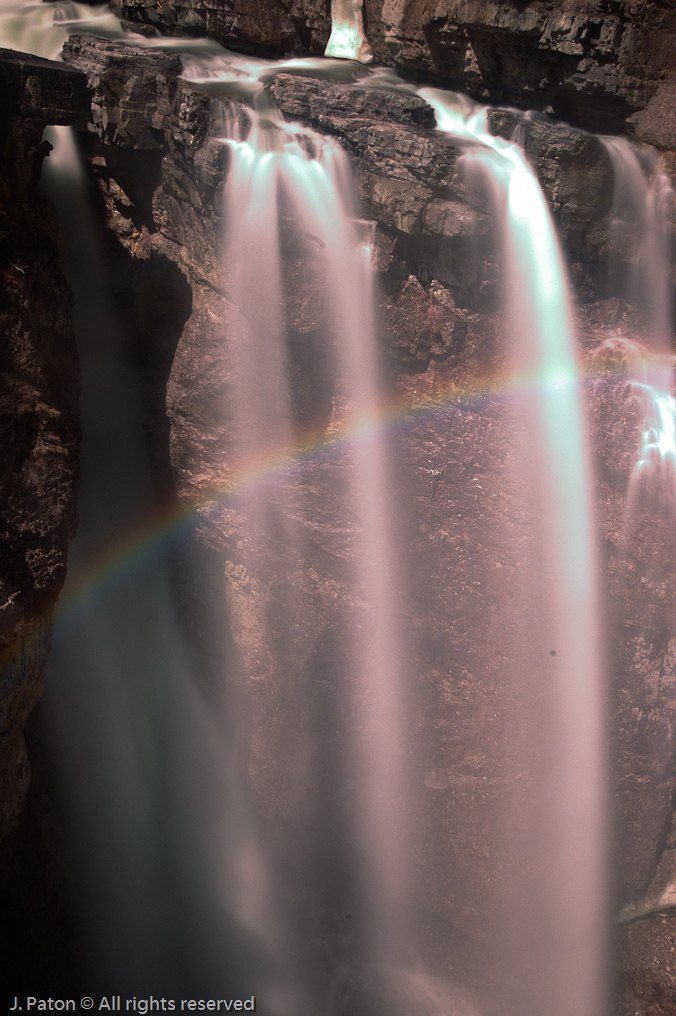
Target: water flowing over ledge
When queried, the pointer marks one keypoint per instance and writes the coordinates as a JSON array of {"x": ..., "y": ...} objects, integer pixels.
[{"x": 305, "y": 498}]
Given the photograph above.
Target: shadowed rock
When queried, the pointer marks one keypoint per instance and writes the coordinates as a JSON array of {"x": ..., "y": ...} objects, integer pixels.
[
  {"x": 594, "y": 63},
  {"x": 39, "y": 401},
  {"x": 42, "y": 90},
  {"x": 466, "y": 529}
]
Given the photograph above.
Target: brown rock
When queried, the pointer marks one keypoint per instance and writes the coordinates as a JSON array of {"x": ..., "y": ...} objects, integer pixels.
[
  {"x": 269, "y": 27},
  {"x": 41, "y": 90},
  {"x": 466, "y": 524},
  {"x": 132, "y": 89},
  {"x": 39, "y": 405},
  {"x": 589, "y": 62}
]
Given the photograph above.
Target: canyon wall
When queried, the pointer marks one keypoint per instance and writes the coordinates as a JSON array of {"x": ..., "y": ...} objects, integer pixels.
[
  {"x": 464, "y": 524},
  {"x": 39, "y": 404},
  {"x": 603, "y": 64}
]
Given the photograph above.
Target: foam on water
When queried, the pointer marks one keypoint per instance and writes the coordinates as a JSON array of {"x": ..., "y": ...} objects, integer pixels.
[
  {"x": 42, "y": 28},
  {"x": 643, "y": 216},
  {"x": 347, "y": 38},
  {"x": 312, "y": 174},
  {"x": 567, "y": 907}
]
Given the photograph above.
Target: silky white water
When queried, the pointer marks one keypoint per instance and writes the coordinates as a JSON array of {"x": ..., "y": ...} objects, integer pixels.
[
  {"x": 42, "y": 28},
  {"x": 642, "y": 223},
  {"x": 347, "y": 38},
  {"x": 642, "y": 202},
  {"x": 566, "y": 933},
  {"x": 275, "y": 160},
  {"x": 172, "y": 887}
]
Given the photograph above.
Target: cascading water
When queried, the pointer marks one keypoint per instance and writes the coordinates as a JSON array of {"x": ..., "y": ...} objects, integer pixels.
[
  {"x": 566, "y": 924},
  {"x": 642, "y": 202},
  {"x": 642, "y": 234},
  {"x": 278, "y": 160},
  {"x": 285, "y": 180},
  {"x": 42, "y": 29},
  {"x": 124, "y": 911},
  {"x": 642, "y": 205},
  {"x": 347, "y": 31},
  {"x": 283, "y": 165},
  {"x": 144, "y": 931},
  {"x": 315, "y": 176}
]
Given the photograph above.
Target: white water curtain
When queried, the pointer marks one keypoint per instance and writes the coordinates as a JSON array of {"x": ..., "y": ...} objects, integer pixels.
[{"x": 347, "y": 31}]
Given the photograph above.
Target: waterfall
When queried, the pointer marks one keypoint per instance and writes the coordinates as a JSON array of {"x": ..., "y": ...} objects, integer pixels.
[
  {"x": 276, "y": 166},
  {"x": 642, "y": 216},
  {"x": 641, "y": 238},
  {"x": 289, "y": 188},
  {"x": 642, "y": 201},
  {"x": 348, "y": 40},
  {"x": 170, "y": 896},
  {"x": 565, "y": 897},
  {"x": 112, "y": 492}
]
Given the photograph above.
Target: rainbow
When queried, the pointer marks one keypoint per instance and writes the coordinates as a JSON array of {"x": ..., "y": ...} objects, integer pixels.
[{"x": 153, "y": 532}]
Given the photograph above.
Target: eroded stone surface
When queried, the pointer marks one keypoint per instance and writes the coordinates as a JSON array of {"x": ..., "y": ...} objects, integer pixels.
[
  {"x": 464, "y": 513},
  {"x": 594, "y": 62},
  {"x": 253, "y": 26},
  {"x": 132, "y": 90},
  {"x": 39, "y": 402},
  {"x": 41, "y": 90}
]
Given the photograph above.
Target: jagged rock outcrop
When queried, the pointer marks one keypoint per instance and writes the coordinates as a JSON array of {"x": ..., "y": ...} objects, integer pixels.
[
  {"x": 429, "y": 217},
  {"x": 409, "y": 177},
  {"x": 255, "y": 26},
  {"x": 131, "y": 91},
  {"x": 39, "y": 400},
  {"x": 464, "y": 525},
  {"x": 594, "y": 62},
  {"x": 40, "y": 91}
]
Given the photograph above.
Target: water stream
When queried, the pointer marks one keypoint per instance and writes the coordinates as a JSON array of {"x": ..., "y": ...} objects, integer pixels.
[
  {"x": 643, "y": 201},
  {"x": 566, "y": 931},
  {"x": 286, "y": 180}
]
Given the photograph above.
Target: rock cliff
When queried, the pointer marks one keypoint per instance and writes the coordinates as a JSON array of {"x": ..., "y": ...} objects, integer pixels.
[
  {"x": 607, "y": 65},
  {"x": 464, "y": 525},
  {"x": 39, "y": 406}
]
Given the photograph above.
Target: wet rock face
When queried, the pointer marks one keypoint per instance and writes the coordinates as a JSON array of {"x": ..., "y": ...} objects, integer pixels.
[
  {"x": 594, "y": 62},
  {"x": 39, "y": 401},
  {"x": 576, "y": 175},
  {"x": 132, "y": 108},
  {"x": 36, "y": 89},
  {"x": 430, "y": 220},
  {"x": 464, "y": 516},
  {"x": 267, "y": 27}
]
